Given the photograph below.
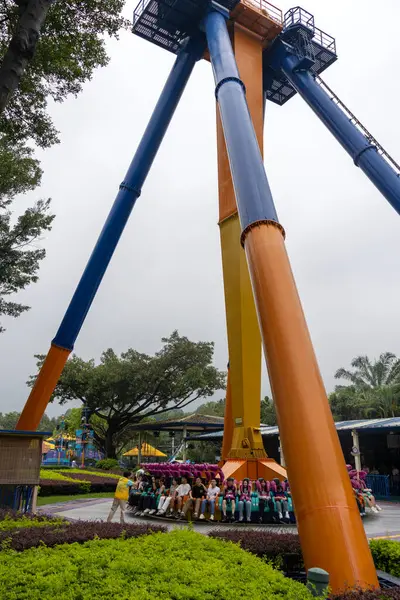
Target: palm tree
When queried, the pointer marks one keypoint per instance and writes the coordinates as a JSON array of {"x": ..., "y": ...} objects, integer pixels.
[{"x": 371, "y": 375}]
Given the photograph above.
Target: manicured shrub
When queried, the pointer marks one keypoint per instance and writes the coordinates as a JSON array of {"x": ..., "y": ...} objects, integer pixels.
[
  {"x": 9, "y": 524},
  {"x": 107, "y": 463},
  {"x": 277, "y": 548},
  {"x": 11, "y": 519},
  {"x": 386, "y": 554},
  {"x": 94, "y": 478},
  {"x": 70, "y": 533},
  {"x": 98, "y": 473},
  {"x": 48, "y": 487},
  {"x": 181, "y": 565}
]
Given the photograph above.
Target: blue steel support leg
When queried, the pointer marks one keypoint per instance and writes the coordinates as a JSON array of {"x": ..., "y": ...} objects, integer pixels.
[
  {"x": 363, "y": 153},
  {"x": 252, "y": 191},
  {"x": 130, "y": 190}
]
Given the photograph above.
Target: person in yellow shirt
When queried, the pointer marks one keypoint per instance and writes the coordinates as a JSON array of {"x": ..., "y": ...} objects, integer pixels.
[{"x": 121, "y": 496}]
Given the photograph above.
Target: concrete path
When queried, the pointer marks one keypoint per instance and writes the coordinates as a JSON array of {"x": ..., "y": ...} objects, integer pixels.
[{"x": 386, "y": 524}]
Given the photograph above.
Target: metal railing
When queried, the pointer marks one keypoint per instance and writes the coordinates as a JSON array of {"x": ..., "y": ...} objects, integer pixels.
[
  {"x": 271, "y": 11},
  {"x": 139, "y": 10},
  {"x": 299, "y": 16},
  {"x": 324, "y": 39},
  {"x": 379, "y": 484},
  {"x": 353, "y": 119}
]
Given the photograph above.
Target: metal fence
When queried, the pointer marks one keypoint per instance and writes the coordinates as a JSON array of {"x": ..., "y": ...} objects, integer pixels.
[{"x": 379, "y": 484}]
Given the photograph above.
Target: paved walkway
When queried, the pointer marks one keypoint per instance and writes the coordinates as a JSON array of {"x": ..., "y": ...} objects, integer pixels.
[{"x": 386, "y": 524}]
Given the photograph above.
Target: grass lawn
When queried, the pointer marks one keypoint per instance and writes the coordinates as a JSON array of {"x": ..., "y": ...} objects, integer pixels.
[{"x": 42, "y": 501}]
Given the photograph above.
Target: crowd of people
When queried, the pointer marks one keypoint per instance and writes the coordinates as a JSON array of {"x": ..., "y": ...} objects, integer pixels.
[
  {"x": 150, "y": 495},
  {"x": 244, "y": 501}
]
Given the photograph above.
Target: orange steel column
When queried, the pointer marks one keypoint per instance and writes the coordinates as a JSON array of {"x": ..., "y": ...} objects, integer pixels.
[
  {"x": 313, "y": 454},
  {"x": 244, "y": 339},
  {"x": 43, "y": 388}
]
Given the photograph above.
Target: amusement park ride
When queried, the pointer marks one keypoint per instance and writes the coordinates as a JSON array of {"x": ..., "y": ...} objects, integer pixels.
[{"x": 256, "y": 55}]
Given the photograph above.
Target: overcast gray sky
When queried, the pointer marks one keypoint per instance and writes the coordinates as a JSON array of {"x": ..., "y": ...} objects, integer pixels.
[{"x": 343, "y": 238}]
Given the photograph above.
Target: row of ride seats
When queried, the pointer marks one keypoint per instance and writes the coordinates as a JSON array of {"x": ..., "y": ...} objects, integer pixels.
[{"x": 269, "y": 515}]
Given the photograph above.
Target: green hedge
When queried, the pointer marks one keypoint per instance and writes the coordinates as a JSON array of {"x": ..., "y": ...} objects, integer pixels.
[
  {"x": 386, "y": 555},
  {"x": 106, "y": 464},
  {"x": 181, "y": 565}
]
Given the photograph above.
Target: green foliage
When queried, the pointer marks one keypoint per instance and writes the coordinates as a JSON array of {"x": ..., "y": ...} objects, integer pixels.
[
  {"x": 96, "y": 473},
  {"x": 122, "y": 390},
  {"x": 71, "y": 46},
  {"x": 374, "y": 390},
  {"x": 107, "y": 463},
  {"x": 179, "y": 565},
  {"x": 200, "y": 452},
  {"x": 19, "y": 254},
  {"x": 54, "y": 476},
  {"x": 10, "y": 523},
  {"x": 268, "y": 415},
  {"x": 213, "y": 409},
  {"x": 367, "y": 374},
  {"x": 9, "y": 421},
  {"x": 386, "y": 555}
]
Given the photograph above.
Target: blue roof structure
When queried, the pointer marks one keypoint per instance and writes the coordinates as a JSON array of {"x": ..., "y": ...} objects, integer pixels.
[{"x": 367, "y": 425}]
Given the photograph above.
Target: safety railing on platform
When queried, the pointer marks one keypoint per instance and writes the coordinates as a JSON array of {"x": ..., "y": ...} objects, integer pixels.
[
  {"x": 298, "y": 16},
  {"x": 139, "y": 10},
  {"x": 379, "y": 484},
  {"x": 266, "y": 8},
  {"x": 324, "y": 39},
  {"x": 353, "y": 119}
]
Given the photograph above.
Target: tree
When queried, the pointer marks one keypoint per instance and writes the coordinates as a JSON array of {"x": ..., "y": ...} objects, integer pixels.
[
  {"x": 122, "y": 390},
  {"x": 213, "y": 409},
  {"x": 9, "y": 421},
  {"x": 203, "y": 452},
  {"x": 268, "y": 415},
  {"x": 367, "y": 374},
  {"x": 32, "y": 68},
  {"x": 32, "y": 14},
  {"x": 349, "y": 403},
  {"x": 19, "y": 257}
]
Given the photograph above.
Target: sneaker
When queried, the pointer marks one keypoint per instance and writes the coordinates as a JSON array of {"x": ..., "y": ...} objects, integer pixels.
[
  {"x": 212, "y": 518},
  {"x": 152, "y": 511},
  {"x": 374, "y": 509},
  {"x": 248, "y": 519},
  {"x": 224, "y": 519},
  {"x": 232, "y": 520},
  {"x": 195, "y": 515},
  {"x": 202, "y": 517},
  {"x": 378, "y": 507},
  {"x": 287, "y": 516},
  {"x": 240, "y": 519},
  {"x": 280, "y": 515},
  {"x": 146, "y": 511}
]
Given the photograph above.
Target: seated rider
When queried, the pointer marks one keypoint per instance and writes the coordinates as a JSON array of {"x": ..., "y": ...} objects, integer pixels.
[
  {"x": 264, "y": 498},
  {"x": 212, "y": 494},
  {"x": 181, "y": 492},
  {"x": 281, "y": 501},
  {"x": 245, "y": 499},
  {"x": 229, "y": 496},
  {"x": 167, "y": 501},
  {"x": 196, "y": 494}
]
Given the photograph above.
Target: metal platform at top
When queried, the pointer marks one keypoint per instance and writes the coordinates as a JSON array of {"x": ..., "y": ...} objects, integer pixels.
[
  {"x": 309, "y": 43},
  {"x": 167, "y": 23}
]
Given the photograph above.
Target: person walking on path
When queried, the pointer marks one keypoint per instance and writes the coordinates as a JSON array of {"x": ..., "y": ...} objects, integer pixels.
[{"x": 121, "y": 496}]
